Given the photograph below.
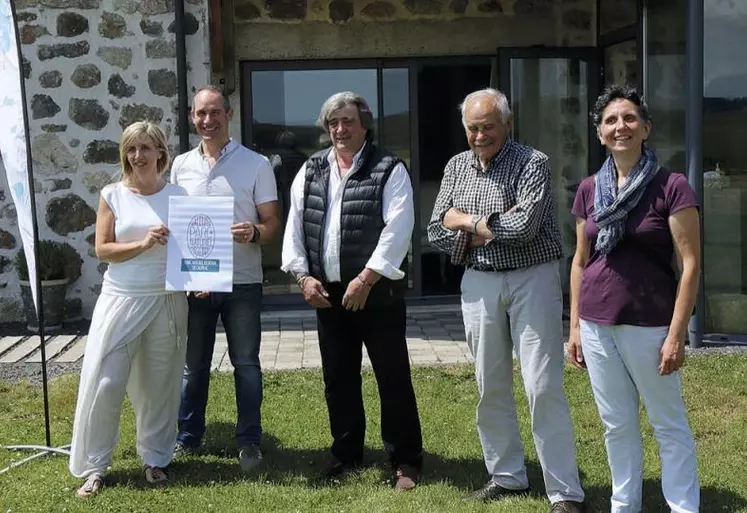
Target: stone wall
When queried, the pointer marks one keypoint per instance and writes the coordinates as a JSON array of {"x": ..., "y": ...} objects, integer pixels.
[
  {"x": 356, "y": 29},
  {"x": 92, "y": 67}
]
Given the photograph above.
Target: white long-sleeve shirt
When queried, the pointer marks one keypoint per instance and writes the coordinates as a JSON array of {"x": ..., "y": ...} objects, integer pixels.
[{"x": 394, "y": 242}]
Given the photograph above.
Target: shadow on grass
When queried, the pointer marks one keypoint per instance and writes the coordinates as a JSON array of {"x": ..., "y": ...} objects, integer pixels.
[
  {"x": 216, "y": 463},
  {"x": 712, "y": 499}
]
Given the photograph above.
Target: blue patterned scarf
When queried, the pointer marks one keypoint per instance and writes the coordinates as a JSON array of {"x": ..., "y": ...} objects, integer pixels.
[{"x": 611, "y": 207}]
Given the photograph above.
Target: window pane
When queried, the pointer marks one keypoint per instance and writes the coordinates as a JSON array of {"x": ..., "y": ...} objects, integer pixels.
[
  {"x": 725, "y": 166},
  {"x": 395, "y": 126},
  {"x": 285, "y": 106},
  {"x": 549, "y": 99},
  {"x": 616, "y": 14},
  {"x": 621, "y": 64},
  {"x": 666, "y": 93}
]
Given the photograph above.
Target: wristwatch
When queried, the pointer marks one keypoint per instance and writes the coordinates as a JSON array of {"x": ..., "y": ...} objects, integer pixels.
[{"x": 255, "y": 235}]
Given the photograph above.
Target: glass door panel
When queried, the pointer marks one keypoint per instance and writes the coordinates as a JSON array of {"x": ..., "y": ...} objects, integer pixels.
[
  {"x": 621, "y": 64},
  {"x": 550, "y": 97},
  {"x": 285, "y": 106}
]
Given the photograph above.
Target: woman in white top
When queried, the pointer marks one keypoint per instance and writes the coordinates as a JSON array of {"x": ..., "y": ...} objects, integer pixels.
[{"x": 137, "y": 340}]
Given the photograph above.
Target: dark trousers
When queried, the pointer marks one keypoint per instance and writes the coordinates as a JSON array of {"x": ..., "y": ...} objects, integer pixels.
[
  {"x": 341, "y": 335},
  {"x": 240, "y": 312}
]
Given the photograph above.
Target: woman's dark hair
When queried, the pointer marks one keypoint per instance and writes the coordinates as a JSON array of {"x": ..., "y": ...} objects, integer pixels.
[{"x": 619, "y": 92}]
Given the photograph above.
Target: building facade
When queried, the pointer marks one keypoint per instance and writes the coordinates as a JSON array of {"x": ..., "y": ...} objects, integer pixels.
[{"x": 95, "y": 65}]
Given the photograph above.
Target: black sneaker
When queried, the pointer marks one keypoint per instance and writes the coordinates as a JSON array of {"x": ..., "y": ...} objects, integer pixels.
[
  {"x": 250, "y": 457},
  {"x": 336, "y": 469},
  {"x": 181, "y": 450},
  {"x": 568, "y": 507},
  {"x": 492, "y": 491}
]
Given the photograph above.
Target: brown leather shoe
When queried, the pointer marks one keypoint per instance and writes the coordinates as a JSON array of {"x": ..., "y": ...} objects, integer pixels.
[
  {"x": 407, "y": 477},
  {"x": 568, "y": 507}
]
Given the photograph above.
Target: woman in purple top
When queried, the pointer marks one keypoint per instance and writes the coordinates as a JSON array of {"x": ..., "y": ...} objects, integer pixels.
[{"x": 637, "y": 229}]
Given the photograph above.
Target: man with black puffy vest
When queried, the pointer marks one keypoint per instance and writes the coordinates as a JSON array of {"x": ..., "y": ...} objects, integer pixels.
[{"x": 349, "y": 227}]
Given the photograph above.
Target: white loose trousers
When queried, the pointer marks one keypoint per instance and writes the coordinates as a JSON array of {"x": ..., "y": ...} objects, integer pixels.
[
  {"x": 135, "y": 345},
  {"x": 521, "y": 310},
  {"x": 622, "y": 362}
]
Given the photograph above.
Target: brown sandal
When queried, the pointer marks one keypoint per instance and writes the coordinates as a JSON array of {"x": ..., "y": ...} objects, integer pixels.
[
  {"x": 155, "y": 475},
  {"x": 91, "y": 486}
]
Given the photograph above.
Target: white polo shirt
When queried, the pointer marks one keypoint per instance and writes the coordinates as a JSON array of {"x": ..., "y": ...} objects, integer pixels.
[{"x": 241, "y": 173}]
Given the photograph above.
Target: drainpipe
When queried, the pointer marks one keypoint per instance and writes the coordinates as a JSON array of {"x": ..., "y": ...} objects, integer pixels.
[
  {"x": 181, "y": 77},
  {"x": 694, "y": 142}
]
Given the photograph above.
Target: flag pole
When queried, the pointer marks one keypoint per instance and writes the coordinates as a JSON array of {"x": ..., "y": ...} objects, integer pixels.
[
  {"x": 48, "y": 449},
  {"x": 35, "y": 225}
]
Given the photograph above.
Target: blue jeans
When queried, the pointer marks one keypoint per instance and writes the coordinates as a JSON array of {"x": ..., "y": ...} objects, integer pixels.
[{"x": 240, "y": 312}]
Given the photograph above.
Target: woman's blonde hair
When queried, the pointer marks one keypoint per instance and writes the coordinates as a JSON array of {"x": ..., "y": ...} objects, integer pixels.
[{"x": 157, "y": 136}]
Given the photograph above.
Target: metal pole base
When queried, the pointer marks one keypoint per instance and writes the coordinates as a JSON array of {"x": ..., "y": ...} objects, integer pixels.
[{"x": 43, "y": 451}]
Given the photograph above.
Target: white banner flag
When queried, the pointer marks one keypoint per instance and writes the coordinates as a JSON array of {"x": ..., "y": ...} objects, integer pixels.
[{"x": 13, "y": 135}]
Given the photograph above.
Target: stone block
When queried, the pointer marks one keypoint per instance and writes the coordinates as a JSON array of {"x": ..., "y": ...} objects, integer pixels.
[
  {"x": 126, "y": 6},
  {"x": 53, "y": 128},
  {"x": 69, "y": 50},
  {"x": 379, "y": 9},
  {"x": 101, "y": 152},
  {"x": 139, "y": 112},
  {"x": 69, "y": 214},
  {"x": 286, "y": 9},
  {"x": 71, "y": 24},
  {"x": 162, "y": 82},
  {"x": 191, "y": 25},
  {"x": 541, "y": 7},
  {"x": 490, "y": 6},
  {"x": 246, "y": 10},
  {"x": 119, "y": 88},
  {"x": 423, "y": 6},
  {"x": 118, "y": 56},
  {"x": 5, "y": 263},
  {"x": 26, "y": 16},
  {"x": 96, "y": 180},
  {"x": 71, "y": 4},
  {"x": 86, "y": 76},
  {"x": 50, "y": 156},
  {"x": 458, "y": 6},
  {"x": 43, "y": 106},
  {"x": 150, "y": 27},
  {"x": 160, "y": 49},
  {"x": 89, "y": 114},
  {"x": 30, "y": 33},
  {"x": 156, "y": 6},
  {"x": 7, "y": 240},
  {"x": 50, "y": 79},
  {"x": 112, "y": 26},
  {"x": 340, "y": 10}
]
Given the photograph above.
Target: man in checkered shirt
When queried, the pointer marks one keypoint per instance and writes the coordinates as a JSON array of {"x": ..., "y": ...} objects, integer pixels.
[{"x": 495, "y": 214}]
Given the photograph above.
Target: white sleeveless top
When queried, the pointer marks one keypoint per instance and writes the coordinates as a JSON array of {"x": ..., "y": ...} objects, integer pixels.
[{"x": 134, "y": 214}]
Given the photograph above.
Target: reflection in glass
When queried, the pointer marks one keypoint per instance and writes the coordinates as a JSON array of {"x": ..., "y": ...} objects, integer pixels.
[
  {"x": 616, "y": 14},
  {"x": 395, "y": 125},
  {"x": 549, "y": 98},
  {"x": 441, "y": 87},
  {"x": 621, "y": 64},
  {"x": 285, "y": 106},
  {"x": 725, "y": 167},
  {"x": 666, "y": 93}
]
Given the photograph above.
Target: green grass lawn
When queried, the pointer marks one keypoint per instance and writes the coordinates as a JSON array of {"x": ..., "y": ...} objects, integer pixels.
[{"x": 296, "y": 438}]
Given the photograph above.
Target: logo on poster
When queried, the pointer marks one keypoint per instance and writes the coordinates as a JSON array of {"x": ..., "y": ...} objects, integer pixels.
[{"x": 201, "y": 236}]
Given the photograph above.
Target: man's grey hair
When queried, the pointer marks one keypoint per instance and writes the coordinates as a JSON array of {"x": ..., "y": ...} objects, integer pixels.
[
  {"x": 216, "y": 90},
  {"x": 498, "y": 99},
  {"x": 339, "y": 100}
]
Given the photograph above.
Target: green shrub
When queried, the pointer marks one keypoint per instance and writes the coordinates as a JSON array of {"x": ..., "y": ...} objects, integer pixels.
[{"x": 57, "y": 260}]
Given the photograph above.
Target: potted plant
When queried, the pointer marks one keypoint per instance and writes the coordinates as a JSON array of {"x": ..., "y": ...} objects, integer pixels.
[{"x": 58, "y": 265}]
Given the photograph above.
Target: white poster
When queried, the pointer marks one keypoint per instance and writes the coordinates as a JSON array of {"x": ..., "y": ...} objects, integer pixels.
[
  {"x": 200, "y": 247},
  {"x": 13, "y": 136}
]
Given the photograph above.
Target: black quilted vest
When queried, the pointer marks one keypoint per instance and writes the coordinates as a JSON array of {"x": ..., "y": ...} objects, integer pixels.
[{"x": 361, "y": 218}]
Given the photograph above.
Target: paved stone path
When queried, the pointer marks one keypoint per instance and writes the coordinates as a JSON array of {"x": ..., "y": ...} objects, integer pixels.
[{"x": 435, "y": 335}]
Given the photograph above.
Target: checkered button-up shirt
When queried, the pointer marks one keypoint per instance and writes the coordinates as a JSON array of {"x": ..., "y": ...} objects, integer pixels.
[{"x": 515, "y": 195}]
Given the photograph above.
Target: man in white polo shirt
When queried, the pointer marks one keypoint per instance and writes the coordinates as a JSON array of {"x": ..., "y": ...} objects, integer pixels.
[{"x": 220, "y": 166}]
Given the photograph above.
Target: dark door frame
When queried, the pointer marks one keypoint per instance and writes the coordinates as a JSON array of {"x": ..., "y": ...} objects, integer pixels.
[{"x": 589, "y": 54}]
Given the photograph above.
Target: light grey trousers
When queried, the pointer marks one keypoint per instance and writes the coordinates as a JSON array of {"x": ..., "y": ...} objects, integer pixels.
[{"x": 521, "y": 310}]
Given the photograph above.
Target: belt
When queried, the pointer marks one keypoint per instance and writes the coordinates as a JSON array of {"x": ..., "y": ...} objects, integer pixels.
[{"x": 490, "y": 268}]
